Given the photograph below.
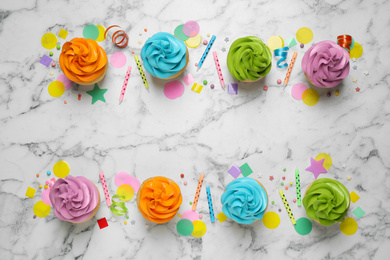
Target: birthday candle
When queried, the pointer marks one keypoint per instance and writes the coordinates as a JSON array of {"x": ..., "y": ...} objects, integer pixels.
[
  {"x": 210, "y": 204},
  {"x": 197, "y": 192},
  {"x": 289, "y": 212},
  {"x": 290, "y": 67},
  {"x": 125, "y": 85},
  {"x": 219, "y": 71},
  {"x": 141, "y": 72},
  {"x": 206, "y": 52},
  {"x": 298, "y": 187},
  {"x": 105, "y": 189}
]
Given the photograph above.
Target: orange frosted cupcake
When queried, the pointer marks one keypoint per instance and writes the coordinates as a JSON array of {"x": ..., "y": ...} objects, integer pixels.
[
  {"x": 83, "y": 61},
  {"x": 159, "y": 199}
]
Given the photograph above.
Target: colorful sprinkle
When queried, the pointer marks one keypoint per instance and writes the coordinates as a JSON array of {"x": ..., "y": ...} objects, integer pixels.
[
  {"x": 212, "y": 86},
  {"x": 279, "y": 81},
  {"x": 37, "y": 175},
  {"x": 182, "y": 175},
  {"x": 265, "y": 88},
  {"x": 205, "y": 42},
  {"x": 48, "y": 173},
  {"x": 185, "y": 182},
  {"x": 286, "y": 188},
  {"x": 204, "y": 82},
  {"x": 302, "y": 45},
  {"x": 337, "y": 93},
  {"x": 53, "y": 64},
  {"x": 283, "y": 177}
]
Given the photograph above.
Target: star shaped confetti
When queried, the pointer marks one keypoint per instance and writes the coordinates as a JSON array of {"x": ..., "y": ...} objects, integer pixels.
[
  {"x": 316, "y": 167},
  {"x": 223, "y": 49},
  {"x": 349, "y": 178},
  {"x": 336, "y": 177},
  {"x": 271, "y": 178},
  {"x": 97, "y": 94},
  {"x": 139, "y": 42},
  {"x": 354, "y": 59},
  {"x": 366, "y": 73},
  {"x": 357, "y": 89},
  {"x": 354, "y": 80},
  {"x": 226, "y": 39},
  {"x": 354, "y": 67}
]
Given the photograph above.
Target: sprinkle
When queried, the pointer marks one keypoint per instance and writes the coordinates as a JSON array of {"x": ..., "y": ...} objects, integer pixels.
[
  {"x": 336, "y": 92},
  {"x": 125, "y": 222},
  {"x": 279, "y": 81},
  {"x": 302, "y": 45},
  {"x": 34, "y": 217},
  {"x": 265, "y": 88},
  {"x": 286, "y": 188},
  {"x": 79, "y": 97},
  {"x": 272, "y": 202},
  {"x": 284, "y": 169},
  {"x": 200, "y": 216},
  {"x": 208, "y": 35},
  {"x": 196, "y": 64},
  {"x": 282, "y": 184},
  {"x": 190, "y": 202},
  {"x": 204, "y": 82},
  {"x": 127, "y": 217},
  {"x": 328, "y": 94},
  {"x": 294, "y": 200},
  {"x": 132, "y": 51},
  {"x": 58, "y": 47},
  {"x": 182, "y": 175},
  {"x": 53, "y": 64},
  {"x": 357, "y": 89},
  {"x": 283, "y": 178},
  {"x": 291, "y": 183},
  {"x": 65, "y": 102},
  {"x": 212, "y": 86},
  {"x": 48, "y": 173},
  {"x": 51, "y": 53},
  {"x": 185, "y": 182},
  {"x": 145, "y": 30},
  {"x": 40, "y": 186},
  {"x": 45, "y": 186},
  {"x": 37, "y": 175},
  {"x": 279, "y": 210},
  {"x": 205, "y": 42}
]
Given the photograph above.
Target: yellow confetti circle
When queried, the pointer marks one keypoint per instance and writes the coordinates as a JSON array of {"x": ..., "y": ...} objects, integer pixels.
[
  {"x": 125, "y": 190},
  {"x": 56, "y": 88},
  {"x": 304, "y": 35},
  {"x": 49, "y": 41},
  {"x": 271, "y": 220},
  {"x": 194, "y": 42},
  {"x": 61, "y": 169},
  {"x": 349, "y": 226},
  {"x": 327, "y": 161},
  {"x": 199, "y": 228},
  {"x": 357, "y": 51},
  {"x": 41, "y": 210},
  {"x": 310, "y": 97},
  {"x": 102, "y": 30},
  {"x": 275, "y": 42}
]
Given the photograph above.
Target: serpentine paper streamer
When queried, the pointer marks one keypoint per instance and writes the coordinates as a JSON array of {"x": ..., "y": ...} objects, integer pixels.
[
  {"x": 118, "y": 204},
  {"x": 281, "y": 52},
  {"x": 119, "y": 38},
  {"x": 346, "y": 41}
]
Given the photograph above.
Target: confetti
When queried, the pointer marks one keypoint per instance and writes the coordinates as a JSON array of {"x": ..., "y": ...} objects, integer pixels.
[{"x": 102, "y": 223}]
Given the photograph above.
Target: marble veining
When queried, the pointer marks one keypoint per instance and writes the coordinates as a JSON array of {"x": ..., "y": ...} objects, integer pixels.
[{"x": 149, "y": 135}]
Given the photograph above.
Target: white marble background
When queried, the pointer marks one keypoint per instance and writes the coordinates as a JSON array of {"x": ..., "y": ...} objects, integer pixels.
[{"x": 149, "y": 135}]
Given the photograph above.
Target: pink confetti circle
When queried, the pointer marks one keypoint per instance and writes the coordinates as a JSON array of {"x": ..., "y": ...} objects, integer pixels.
[
  {"x": 67, "y": 82},
  {"x": 191, "y": 28},
  {"x": 125, "y": 178},
  {"x": 297, "y": 90},
  {"x": 118, "y": 59},
  {"x": 45, "y": 197},
  {"x": 174, "y": 89},
  {"x": 190, "y": 214}
]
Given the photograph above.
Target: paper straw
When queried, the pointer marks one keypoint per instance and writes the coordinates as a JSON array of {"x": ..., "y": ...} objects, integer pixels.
[
  {"x": 298, "y": 187},
  {"x": 122, "y": 95},
  {"x": 141, "y": 72},
  {"x": 290, "y": 67},
  {"x": 105, "y": 189},
  {"x": 210, "y": 204},
  {"x": 219, "y": 71},
  {"x": 289, "y": 212}
]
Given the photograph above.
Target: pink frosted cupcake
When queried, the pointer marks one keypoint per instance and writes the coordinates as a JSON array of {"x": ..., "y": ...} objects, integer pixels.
[
  {"x": 74, "y": 199},
  {"x": 326, "y": 64}
]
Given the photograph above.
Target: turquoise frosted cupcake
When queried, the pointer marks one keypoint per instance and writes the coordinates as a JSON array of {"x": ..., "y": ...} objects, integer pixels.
[
  {"x": 244, "y": 200},
  {"x": 164, "y": 56}
]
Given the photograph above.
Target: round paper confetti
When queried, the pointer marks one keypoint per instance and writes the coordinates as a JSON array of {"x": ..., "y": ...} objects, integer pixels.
[
  {"x": 190, "y": 215},
  {"x": 275, "y": 42},
  {"x": 199, "y": 228},
  {"x": 303, "y": 226},
  {"x": 348, "y": 226},
  {"x": 45, "y": 197},
  {"x": 304, "y": 35},
  {"x": 174, "y": 89},
  {"x": 191, "y": 28},
  {"x": 49, "y": 41},
  {"x": 67, "y": 82},
  {"x": 310, "y": 97},
  {"x": 56, "y": 88},
  {"x": 61, "y": 169},
  {"x": 41, "y": 209},
  {"x": 327, "y": 161},
  {"x": 184, "y": 227},
  {"x": 297, "y": 90},
  {"x": 102, "y": 30},
  {"x": 357, "y": 51},
  {"x": 91, "y": 32},
  {"x": 125, "y": 178},
  {"x": 194, "y": 41},
  {"x": 125, "y": 190},
  {"x": 180, "y": 34},
  {"x": 271, "y": 220},
  {"x": 118, "y": 59}
]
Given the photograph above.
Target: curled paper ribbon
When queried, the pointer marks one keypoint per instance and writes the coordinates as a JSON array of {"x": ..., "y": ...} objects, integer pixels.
[
  {"x": 281, "y": 52},
  {"x": 119, "y": 37},
  {"x": 345, "y": 41},
  {"x": 118, "y": 204}
]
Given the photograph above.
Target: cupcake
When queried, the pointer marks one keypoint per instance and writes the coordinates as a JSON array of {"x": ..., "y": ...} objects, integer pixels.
[
  {"x": 326, "y": 201},
  {"x": 164, "y": 56},
  {"x": 83, "y": 61},
  {"x": 325, "y": 64},
  {"x": 159, "y": 199},
  {"x": 74, "y": 199},
  {"x": 244, "y": 200},
  {"x": 249, "y": 59}
]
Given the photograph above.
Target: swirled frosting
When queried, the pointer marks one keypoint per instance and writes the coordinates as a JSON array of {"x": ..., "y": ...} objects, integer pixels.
[
  {"x": 326, "y": 201},
  {"x": 74, "y": 198},
  {"x": 159, "y": 199},
  {"x": 249, "y": 59},
  {"x": 164, "y": 55},
  {"x": 244, "y": 200},
  {"x": 83, "y": 60},
  {"x": 326, "y": 64}
]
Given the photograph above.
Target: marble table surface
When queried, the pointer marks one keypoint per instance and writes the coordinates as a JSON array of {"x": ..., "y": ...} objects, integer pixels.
[{"x": 149, "y": 135}]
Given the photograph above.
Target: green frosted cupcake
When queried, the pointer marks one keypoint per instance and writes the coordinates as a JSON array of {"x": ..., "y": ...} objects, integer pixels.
[
  {"x": 326, "y": 201},
  {"x": 249, "y": 59}
]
